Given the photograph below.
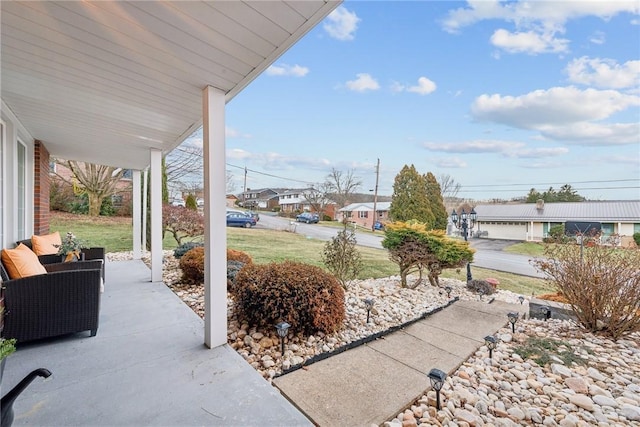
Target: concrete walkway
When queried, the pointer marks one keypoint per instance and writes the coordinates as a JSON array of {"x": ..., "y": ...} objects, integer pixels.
[
  {"x": 372, "y": 383},
  {"x": 147, "y": 366}
]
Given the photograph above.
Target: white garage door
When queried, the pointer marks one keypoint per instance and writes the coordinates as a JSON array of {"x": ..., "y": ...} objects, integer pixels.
[{"x": 506, "y": 231}]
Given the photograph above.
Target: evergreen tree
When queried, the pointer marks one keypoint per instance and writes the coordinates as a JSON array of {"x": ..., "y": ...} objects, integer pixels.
[
  {"x": 409, "y": 200},
  {"x": 533, "y": 196},
  {"x": 568, "y": 194},
  {"x": 191, "y": 202},
  {"x": 436, "y": 203}
]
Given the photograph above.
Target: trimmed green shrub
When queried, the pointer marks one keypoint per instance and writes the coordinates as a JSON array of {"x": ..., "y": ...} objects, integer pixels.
[
  {"x": 308, "y": 298},
  {"x": 192, "y": 266},
  {"x": 480, "y": 287},
  {"x": 184, "y": 248},
  {"x": 636, "y": 238}
]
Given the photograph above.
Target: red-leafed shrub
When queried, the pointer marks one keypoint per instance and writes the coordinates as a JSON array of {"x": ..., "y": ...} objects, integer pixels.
[
  {"x": 234, "y": 255},
  {"x": 305, "y": 296},
  {"x": 181, "y": 222},
  {"x": 192, "y": 266}
]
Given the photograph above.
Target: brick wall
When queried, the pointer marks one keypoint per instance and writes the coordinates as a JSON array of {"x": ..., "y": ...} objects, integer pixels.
[{"x": 42, "y": 185}]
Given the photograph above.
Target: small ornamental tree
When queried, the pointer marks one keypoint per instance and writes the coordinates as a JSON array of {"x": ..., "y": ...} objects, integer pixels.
[
  {"x": 191, "y": 202},
  {"x": 601, "y": 283},
  {"x": 341, "y": 256},
  {"x": 414, "y": 249},
  {"x": 182, "y": 223}
]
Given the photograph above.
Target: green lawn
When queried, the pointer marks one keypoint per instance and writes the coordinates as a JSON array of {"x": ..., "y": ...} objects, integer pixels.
[
  {"x": 114, "y": 233},
  {"x": 533, "y": 249}
]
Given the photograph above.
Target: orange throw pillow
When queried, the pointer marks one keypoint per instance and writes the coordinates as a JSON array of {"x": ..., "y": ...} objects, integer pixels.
[
  {"x": 21, "y": 262},
  {"x": 44, "y": 245}
]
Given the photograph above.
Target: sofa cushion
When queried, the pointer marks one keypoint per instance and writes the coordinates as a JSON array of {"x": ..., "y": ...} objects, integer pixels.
[
  {"x": 46, "y": 245},
  {"x": 21, "y": 262}
]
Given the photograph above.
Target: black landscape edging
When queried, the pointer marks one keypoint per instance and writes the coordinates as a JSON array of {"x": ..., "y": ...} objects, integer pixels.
[{"x": 365, "y": 340}]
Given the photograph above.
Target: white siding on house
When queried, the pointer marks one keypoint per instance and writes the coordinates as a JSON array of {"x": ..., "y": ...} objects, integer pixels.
[{"x": 506, "y": 231}]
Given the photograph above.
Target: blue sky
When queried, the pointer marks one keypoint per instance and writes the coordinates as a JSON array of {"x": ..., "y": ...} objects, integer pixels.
[{"x": 501, "y": 96}]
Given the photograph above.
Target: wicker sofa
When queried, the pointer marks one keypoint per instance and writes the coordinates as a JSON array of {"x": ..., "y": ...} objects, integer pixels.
[
  {"x": 87, "y": 254},
  {"x": 65, "y": 300}
]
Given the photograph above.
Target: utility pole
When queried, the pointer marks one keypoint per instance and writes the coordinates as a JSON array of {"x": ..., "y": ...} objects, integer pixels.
[
  {"x": 244, "y": 190},
  {"x": 375, "y": 198}
]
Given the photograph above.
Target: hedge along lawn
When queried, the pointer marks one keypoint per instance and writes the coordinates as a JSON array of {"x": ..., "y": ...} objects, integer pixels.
[{"x": 264, "y": 246}]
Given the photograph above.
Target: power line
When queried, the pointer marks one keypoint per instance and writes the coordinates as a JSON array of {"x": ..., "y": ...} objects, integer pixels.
[{"x": 267, "y": 174}]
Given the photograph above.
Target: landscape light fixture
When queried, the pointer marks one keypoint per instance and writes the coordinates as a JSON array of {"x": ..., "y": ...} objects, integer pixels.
[
  {"x": 521, "y": 299},
  {"x": 283, "y": 329},
  {"x": 437, "y": 377},
  {"x": 513, "y": 318},
  {"x": 545, "y": 310},
  {"x": 464, "y": 222},
  {"x": 469, "y": 277},
  {"x": 368, "y": 303},
  {"x": 491, "y": 343},
  {"x": 448, "y": 290}
]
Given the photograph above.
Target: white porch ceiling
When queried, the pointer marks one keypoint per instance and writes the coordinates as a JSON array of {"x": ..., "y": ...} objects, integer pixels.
[{"x": 104, "y": 82}]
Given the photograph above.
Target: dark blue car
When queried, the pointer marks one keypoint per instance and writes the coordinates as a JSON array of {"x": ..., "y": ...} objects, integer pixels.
[
  {"x": 240, "y": 220},
  {"x": 309, "y": 218}
]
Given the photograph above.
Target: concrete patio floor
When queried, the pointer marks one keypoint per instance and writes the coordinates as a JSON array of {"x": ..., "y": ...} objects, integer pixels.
[{"x": 147, "y": 366}]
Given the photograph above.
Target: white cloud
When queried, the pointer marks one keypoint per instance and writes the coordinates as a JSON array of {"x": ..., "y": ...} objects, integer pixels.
[
  {"x": 598, "y": 38},
  {"x": 536, "y": 23},
  {"x": 450, "y": 162},
  {"x": 478, "y": 146},
  {"x": 537, "y": 153},
  {"x": 424, "y": 87},
  {"x": 586, "y": 133},
  {"x": 341, "y": 24},
  {"x": 528, "y": 42},
  {"x": 604, "y": 73},
  {"x": 565, "y": 113},
  {"x": 529, "y": 14},
  {"x": 287, "y": 70},
  {"x": 363, "y": 83},
  {"x": 233, "y": 133},
  {"x": 557, "y": 105},
  {"x": 509, "y": 149}
]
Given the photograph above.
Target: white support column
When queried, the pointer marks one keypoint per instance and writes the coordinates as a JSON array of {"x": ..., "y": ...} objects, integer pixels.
[
  {"x": 156, "y": 216},
  {"x": 137, "y": 219},
  {"x": 145, "y": 208},
  {"x": 215, "y": 231}
]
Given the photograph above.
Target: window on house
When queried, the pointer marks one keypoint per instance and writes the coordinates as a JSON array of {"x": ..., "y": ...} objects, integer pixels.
[{"x": 363, "y": 214}]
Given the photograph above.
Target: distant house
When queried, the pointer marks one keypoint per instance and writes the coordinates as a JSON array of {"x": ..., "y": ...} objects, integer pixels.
[
  {"x": 263, "y": 198},
  {"x": 532, "y": 221},
  {"x": 231, "y": 200},
  {"x": 362, "y": 213},
  {"x": 293, "y": 200}
]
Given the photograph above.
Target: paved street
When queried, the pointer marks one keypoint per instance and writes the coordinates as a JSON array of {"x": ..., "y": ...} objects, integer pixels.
[{"x": 489, "y": 253}]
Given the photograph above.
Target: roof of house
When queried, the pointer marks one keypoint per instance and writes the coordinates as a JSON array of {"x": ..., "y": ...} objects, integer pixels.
[
  {"x": 608, "y": 211},
  {"x": 368, "y": 206}
]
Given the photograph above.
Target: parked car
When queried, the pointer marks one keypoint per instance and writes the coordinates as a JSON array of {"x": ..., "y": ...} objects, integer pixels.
[
  {"x": 240, "y": 219},
  {"x": 253, "y": 214},
  {"x": 378, "y": 226},
  {"x": 309, "y": 218},
  {"x": 178, "y": 202}
]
